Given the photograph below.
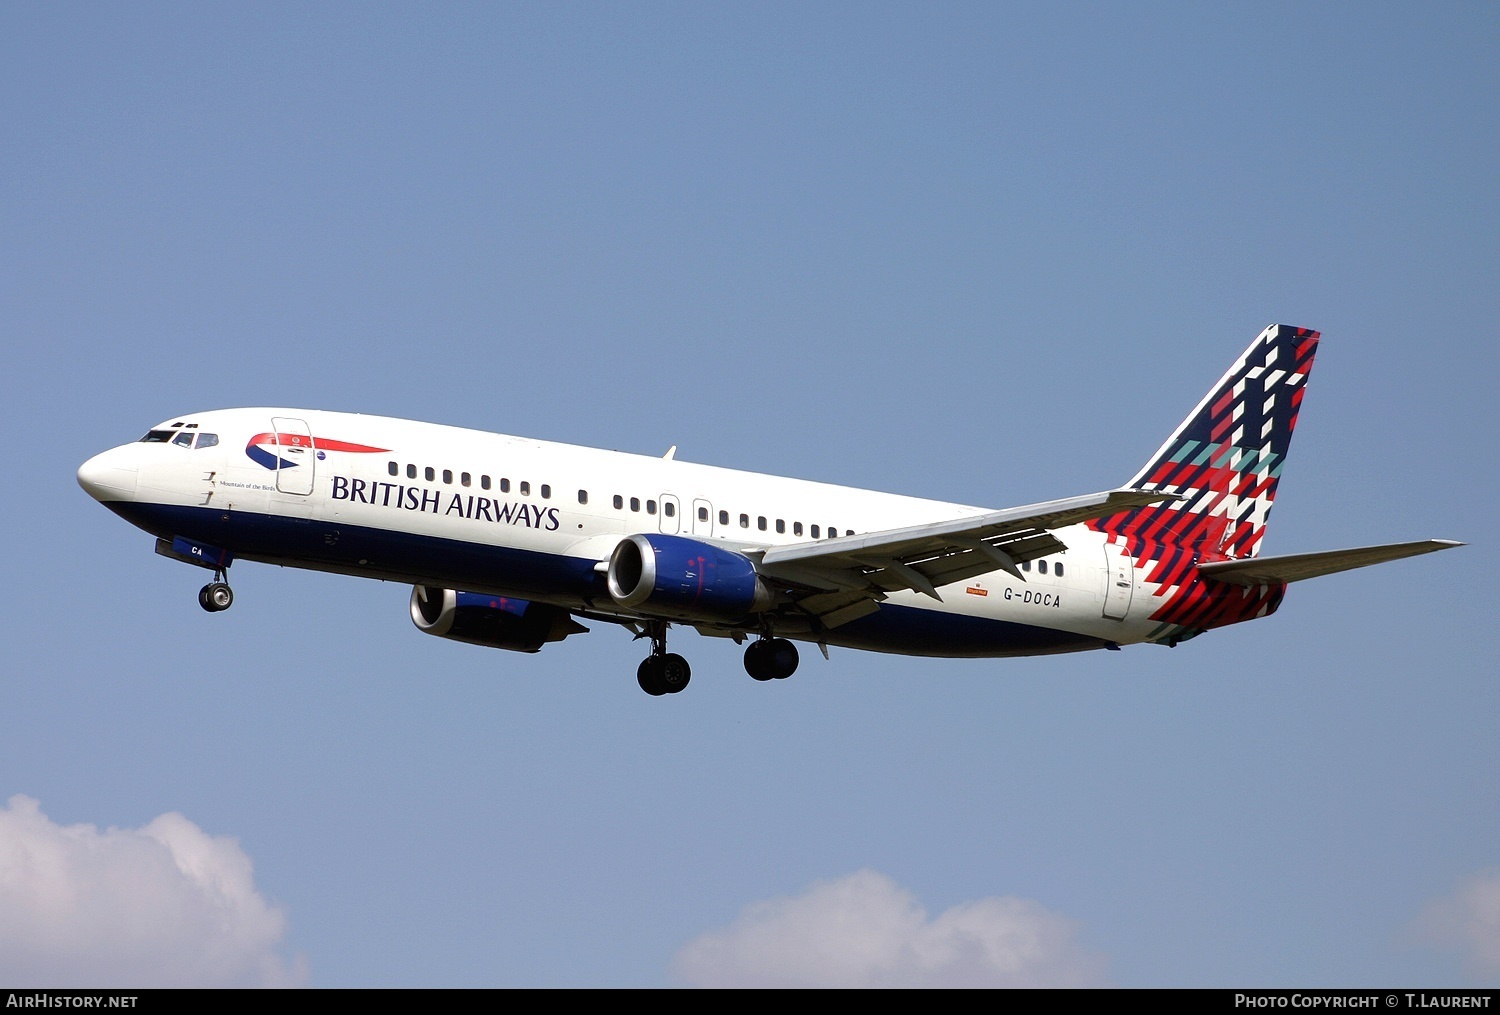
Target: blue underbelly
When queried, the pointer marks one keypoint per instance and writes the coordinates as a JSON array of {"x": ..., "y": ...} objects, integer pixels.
[{"x": 485, "y": 567}]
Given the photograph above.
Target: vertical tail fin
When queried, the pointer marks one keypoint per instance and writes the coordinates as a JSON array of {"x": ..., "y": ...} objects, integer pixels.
[
  {"x": 1223, "y": 463},
  {"x": 1225, "y": 459}
]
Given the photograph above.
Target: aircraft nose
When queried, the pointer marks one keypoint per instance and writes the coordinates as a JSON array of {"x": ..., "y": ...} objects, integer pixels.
[{"x": 108, "y": 476}]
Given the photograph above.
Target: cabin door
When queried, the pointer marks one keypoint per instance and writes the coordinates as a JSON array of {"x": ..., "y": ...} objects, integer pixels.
[
  {"x": 1119, "y": 582},
  {"x": 669, "y": 519},
  {"x": 703, "y": 518},
  {"x": 295, "y": 456}
]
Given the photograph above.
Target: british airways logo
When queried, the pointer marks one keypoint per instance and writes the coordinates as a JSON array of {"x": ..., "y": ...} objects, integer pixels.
[
  {"x": 256, "y": 448},
  {"x": 379, "y": 493}
]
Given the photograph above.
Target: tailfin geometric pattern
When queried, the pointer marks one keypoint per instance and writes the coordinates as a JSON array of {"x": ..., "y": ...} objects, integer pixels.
[{"x": 1223, "y": 463}]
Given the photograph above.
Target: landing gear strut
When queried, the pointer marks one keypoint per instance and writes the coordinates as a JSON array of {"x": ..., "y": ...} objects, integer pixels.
[
  {"x": 771, "y": 659},
  {"x": 662, "y": 672},
  {"x": 216, "y": 595}
]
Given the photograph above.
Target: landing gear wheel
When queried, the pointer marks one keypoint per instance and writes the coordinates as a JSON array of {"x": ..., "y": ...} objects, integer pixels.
[
  {"x": 771, "y": 659},
  {"x": 215, "y": 597},
  {"x": 784, "y": 654},
  {"x": 675, "y": 672},
  {"x": 663, "y": 674},
  {"x": 648, "y": 675},
  {"x": 757, "y": 661}
]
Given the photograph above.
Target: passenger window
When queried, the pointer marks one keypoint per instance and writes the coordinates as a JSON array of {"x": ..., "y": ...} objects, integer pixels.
[
  {"x": 650, "y": 507},
  {"x": 208, "y": 440},
  {"x": 669, "y": 509},
  {"x": 583, "y": 496},
  {"x": 703, "y": 514},
  {"x": 723, "y": 517},
  {"x": 430, "y": 473},
  {"x": 1025, "y": 565},
  {"x": 393, "y": 468},
  {"x": 619, "y": 502},
  {"x": 183, "y": 439},
  {"x": 546, "y": 491},
  {"x": 448, "y": 476},
  {"x": 780, "y": 525},
  {"x": 1057, "y": 570},
  {"x": 760, "y": 522},
  {"x": 465, "y": 479},
  {"x": 815, "y": 532},
  {"x": 832, "y": 532},
  {"x": 504, "y": 485},
  {"x": 744, "y": 521},
  {"x": 796, "y": 528},
  {"x": 525, "y": 488},
  {"x": 411, "y": 472},
  {"x": 1041, "y": 566},
  {"x": 635, "y": 503},
  {"x": 484, "y": 482}
]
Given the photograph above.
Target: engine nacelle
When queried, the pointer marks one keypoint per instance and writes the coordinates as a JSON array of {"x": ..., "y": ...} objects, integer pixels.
[
  {"x": 687, "y": 578},
  {"x": 492, "y": 621}
]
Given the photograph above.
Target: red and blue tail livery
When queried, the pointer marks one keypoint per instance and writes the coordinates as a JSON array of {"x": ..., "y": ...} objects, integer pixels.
[
  {"x": 1221, "y": 467},
  {"x": 514, "y": 543}
]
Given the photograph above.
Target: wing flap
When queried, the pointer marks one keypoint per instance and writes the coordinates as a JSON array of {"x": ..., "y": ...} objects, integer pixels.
[
  {"x": 1298, "y": 566},
  {"x": 848, "y": 570}
]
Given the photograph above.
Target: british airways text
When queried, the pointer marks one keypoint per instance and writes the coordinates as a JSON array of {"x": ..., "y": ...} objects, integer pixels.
[{"x": 420, "y": 498}]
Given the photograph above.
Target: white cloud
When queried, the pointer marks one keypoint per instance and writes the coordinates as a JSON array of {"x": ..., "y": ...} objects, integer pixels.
[
  {"x": 1468, "y": 921},
  {"x": 864, "y": 930},
  {"x": 166, "y": 905}
]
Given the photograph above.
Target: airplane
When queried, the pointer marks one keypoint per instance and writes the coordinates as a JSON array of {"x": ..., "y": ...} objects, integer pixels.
[{"x": 509, "y": 542}]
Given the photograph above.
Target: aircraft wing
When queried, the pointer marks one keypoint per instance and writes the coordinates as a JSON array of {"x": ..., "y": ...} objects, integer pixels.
[
  {"x": 1297, "y": 566},
  {"x": 846, "y": 577}
]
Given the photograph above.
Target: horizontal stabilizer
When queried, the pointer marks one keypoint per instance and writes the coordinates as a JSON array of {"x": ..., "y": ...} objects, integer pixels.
[{"x": 1297, "y": 566}]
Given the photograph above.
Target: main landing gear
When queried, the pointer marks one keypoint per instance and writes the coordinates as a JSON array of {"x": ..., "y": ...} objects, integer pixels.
[
  {"x": 771, "y": 659},
  {"x": 216, "y": 595},
  {"x": 662, "y": 672}
]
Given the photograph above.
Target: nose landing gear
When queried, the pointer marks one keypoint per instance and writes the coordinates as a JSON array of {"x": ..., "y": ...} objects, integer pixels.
[
  {"x": 662, "y": 672},
  {"x": 217, "y": 595}
]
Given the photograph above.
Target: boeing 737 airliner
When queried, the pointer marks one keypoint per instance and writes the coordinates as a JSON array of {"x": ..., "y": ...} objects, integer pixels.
[{"x": 508, "y": 542}]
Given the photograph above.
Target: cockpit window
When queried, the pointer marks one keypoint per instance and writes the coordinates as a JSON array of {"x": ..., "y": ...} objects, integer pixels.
[
  {"x": 207, "y": 440},
  {"x": 183, "y": 439},
  {"x": 157, "y": 437}
]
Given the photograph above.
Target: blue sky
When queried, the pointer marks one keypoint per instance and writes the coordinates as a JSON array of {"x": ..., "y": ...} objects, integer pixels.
[{"x": 982, "y": 253}]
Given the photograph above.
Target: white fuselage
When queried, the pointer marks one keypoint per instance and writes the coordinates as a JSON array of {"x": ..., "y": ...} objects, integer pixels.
[{"x": 443, "y": 506}]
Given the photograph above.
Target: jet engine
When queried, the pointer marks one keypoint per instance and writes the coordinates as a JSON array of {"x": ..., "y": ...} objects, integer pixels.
[
  {"x": 492, "y": 621},
  {"x": 675, "y": 576}
]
